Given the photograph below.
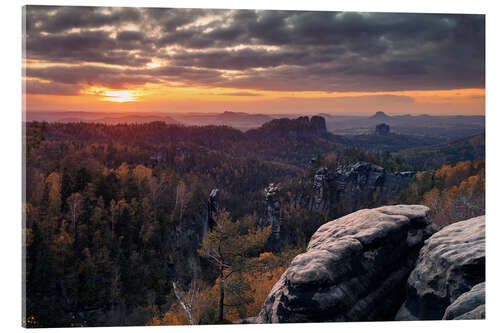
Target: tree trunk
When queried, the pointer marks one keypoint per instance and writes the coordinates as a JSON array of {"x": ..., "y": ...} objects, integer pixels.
[
  {"x": 186, "y": 307},
  {"x": 221, "y": 295},
  {"x": 73, "y": 215}
]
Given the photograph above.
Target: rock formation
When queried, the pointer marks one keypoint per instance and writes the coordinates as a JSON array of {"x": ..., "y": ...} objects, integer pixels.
[
  {"x": 357, "y": 183},
  {"x": 356, "y": 186},
  {"x": 319, "y": 199},
  {"x": 382, "y": 129},
  {"x": 380, "y": 115},
  {"x": 272, "y": 210},
  {"x": 450, "y": 264},
  {"x": 355, "y": 268},
  {"x": 301, "y": 127},
  {"x": 213, "y": 207},
  {"x": 318, "y": 125},
  {"x": 469, "y": 305},
  {"x": 210, "y": 212}
]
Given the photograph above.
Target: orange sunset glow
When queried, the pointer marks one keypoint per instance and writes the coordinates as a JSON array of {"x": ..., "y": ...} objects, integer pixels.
[{"x": 181, "y": 60}]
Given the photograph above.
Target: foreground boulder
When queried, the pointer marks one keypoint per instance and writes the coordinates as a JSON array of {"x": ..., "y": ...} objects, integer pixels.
[
  {"x": 470, "y": 305},
  {"x": 355, "y": 268},
  {"x": 450, "y": 264}
]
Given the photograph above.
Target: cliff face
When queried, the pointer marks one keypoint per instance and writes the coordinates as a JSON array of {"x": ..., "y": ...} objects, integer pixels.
[
  {"x": 450, "y": 264},
  {"x": 368, "y": 264},
  {"x": 355, "y": 186},
  {"x": 355, "y": 268},
  {"x": 213, "y": 208},
  {"x": 302, "y": 127},
  {"x": 272, "y": 211},
  {"x": 319, "y": 201},
  {"x": 318, "y": 125},
  {"x": 469, "y": 305}
]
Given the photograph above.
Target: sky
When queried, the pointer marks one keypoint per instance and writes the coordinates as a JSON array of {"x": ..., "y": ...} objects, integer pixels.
[{"x": 202, "y": 60}]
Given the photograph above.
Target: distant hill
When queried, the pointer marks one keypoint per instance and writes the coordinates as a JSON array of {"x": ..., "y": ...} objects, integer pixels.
[
  {"x": 439, "y": 127},
  {"x": 380, "y": 116},
  {"x": 239, "y": 120},
  {"x": 470, "y": 148},
  {"x": 136, "y": 119},
  {"x": 72, "y": 120},
  {"x": 390, "y": 143},
  {"x": 293, "y": 142},
  {"x": 99, "y": 117},
  {"x": 442, "y": 127},
  {"x": 243, "y": 116}
]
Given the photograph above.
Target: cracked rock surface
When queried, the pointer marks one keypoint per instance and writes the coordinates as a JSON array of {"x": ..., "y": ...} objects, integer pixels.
[
  {"x": 355, "y": 268},
  {"x": 450, "y": 264}
]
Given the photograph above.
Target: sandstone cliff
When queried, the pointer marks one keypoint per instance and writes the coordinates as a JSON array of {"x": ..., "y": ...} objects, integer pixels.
[
  {"x": 355, "y": 268},
  {"x": 355, "y": 186},
  {"x": 366, "y": 265},
  {"x": 301, "y": 127},
  {"x": 450, "y": 264}
]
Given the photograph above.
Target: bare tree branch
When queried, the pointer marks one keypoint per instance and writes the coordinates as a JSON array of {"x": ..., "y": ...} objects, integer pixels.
[{"x": 186, "y": 308}]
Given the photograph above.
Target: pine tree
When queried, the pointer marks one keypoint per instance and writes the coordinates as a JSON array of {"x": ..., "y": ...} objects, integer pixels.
[{"x": 225, "y": 247}]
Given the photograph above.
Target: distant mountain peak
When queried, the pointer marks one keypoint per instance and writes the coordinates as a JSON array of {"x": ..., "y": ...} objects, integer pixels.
[
  {"x": 233, "y": 113},
  {"x": 380, "y": 115}
]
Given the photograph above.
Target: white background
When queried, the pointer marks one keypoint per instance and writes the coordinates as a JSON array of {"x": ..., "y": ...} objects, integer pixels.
[{"x": 10, "y": 157}]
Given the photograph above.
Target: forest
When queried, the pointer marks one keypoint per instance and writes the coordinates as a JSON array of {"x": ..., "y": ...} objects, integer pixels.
[{"x": 158, "y": 224}]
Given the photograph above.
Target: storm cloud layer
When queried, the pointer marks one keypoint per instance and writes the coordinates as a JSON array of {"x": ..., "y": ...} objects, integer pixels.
[{"x": 247, "y": 49}]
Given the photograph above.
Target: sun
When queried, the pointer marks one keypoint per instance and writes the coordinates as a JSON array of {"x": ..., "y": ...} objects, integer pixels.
[
  {"x": 111, "y": 95},
  {"x": 120, "y": 96}
]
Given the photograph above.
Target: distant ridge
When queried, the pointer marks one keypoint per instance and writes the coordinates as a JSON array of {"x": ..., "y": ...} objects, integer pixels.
[
  {"x": 469, "y": 148},
  {"x": 243, "y": 116},
  {"x": 98, "y": 117},
  {"x": 136, "y": 120}
]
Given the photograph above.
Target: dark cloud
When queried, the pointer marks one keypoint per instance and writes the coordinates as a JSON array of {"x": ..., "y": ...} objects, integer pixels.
[
  {"x": 294, "y": 50},
  {"x": 180, "y": 74},
  {"x": 87, "y": 46},
  {"x": 169, "y": 19},
  {"x": 115, "y": 78},
  {"x": 36, "y": 87},
  {"x": 90, "y": 75},
  {"x": 54, "y": 19},
  {"x": 130, "y": 36}
]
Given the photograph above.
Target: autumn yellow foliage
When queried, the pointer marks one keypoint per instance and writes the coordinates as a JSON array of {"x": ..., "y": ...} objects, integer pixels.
[{"x": 260, "y": 280}]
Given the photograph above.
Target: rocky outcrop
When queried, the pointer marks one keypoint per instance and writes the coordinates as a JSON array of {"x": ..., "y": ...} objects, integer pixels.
[
  {"x": 450, "y": 264},
  {"x": 469, "y": 305},
  {"x": 356, "y": 186},
  {"x": 319, "y": 200},
  {"x": 209, "y": 216},
  {"x": 362, "y": 183},
  {"x": 272, "y": 210},
  {"x": 213, "y": 207},
  {"x": 301, "y": 127},
  {"x": 355, "y": 268},
  {"x": 318, "y": 125},
  {"x": 380, "y": 115}
]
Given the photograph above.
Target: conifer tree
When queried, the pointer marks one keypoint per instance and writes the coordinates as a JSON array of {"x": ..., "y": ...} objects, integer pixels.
[{"x": 228, "y": 250}]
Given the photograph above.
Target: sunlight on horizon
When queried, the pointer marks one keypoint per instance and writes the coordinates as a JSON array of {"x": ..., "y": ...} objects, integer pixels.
[{"x": 118, "y": 96}]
